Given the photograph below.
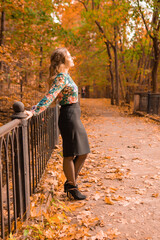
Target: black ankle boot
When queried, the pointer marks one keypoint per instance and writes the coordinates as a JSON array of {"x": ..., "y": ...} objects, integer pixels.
[
  {"x": 66, "y": 185},
  {"x": 72, "y": 191}
]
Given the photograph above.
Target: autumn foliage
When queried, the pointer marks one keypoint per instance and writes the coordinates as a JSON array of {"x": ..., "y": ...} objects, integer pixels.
[{"x": 116, "y": 44}]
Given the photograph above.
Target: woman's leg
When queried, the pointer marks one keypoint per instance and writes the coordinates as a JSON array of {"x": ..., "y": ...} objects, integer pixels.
[
  {"x": 78, "y": 164},
  {"x": 69, "y": 169}
]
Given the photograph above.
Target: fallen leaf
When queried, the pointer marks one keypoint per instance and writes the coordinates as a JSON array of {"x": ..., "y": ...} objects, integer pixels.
[
  {"x": 155, "y": 195},
  {"x": 108, "y": 201},
  {"x": 119, "y": 198},
  {"x": 96, "y": 196}
]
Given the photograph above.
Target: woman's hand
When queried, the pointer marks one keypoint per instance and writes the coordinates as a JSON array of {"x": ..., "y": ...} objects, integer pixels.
[{"x": 29, "y": 113}]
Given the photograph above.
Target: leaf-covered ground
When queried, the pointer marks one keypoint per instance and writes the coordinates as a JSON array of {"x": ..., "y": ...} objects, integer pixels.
[{"x": 121, "y": 179}]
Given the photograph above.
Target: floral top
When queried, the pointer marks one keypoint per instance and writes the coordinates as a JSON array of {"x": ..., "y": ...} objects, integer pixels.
[{"x": 63, "y": 88}]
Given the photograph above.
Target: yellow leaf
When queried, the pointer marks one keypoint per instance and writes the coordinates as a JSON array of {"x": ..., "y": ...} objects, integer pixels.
[
  {"x": 119, "y": 198},
  {"x": 112, "y": 190},
  {"x": 109, "y": 201},
  {"x": 109, "y": 149},
  {"x": 155, "y": 195},
  {"x": 73, "y": 207},
  {"x": 88, "y": 185}
]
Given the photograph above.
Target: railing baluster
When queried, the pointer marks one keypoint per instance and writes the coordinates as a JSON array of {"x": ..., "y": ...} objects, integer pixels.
[
  {"x": 18, "y": 176},
  {"x": 35, "y": 149},
  {"x": 43, "y": 143},
  {"x": 45, "y": 155},
  {"x": 32, "y": 155},
  {"x": 26, "y": 167},
  {"x": 29, "y": 154},
  {"x": 7, "y": 183},
  {"x": 14, "y": 182},
  {"x": 38, "y": 145},
  {"x": 1, "y": 193}
]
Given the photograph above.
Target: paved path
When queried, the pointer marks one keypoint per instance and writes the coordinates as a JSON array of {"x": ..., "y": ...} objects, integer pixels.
[{"x": 123, "y": 170}]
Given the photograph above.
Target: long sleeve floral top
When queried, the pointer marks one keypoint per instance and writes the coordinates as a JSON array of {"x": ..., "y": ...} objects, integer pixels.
[{"x": 63, "y": 88}]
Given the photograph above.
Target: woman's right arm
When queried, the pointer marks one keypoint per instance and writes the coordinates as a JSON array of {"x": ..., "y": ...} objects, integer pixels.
[{"x": 57, "y": 86}]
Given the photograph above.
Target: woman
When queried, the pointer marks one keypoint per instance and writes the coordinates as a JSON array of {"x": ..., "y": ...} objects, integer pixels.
[{"x": 75, "y": 141}]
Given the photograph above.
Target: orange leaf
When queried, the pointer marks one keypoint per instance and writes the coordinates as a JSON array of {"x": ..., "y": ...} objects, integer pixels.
[
  {"x": 109, "y": 201},
  {"x": 119, "y": 198},
  {"x": 155, "y": 195}
]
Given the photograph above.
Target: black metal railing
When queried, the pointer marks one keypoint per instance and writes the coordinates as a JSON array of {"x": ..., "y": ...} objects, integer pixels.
[
  {"x": 42, "y": 138},
  {"x": 147, "y": 102},
  {"x": 153, "y": 106},
  {"x": 25, "y": 147}
]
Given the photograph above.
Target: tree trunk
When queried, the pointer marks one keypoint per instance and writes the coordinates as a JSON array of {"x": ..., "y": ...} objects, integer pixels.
[
  {"x": 111, "y": 73},
  {"x": 122, "y": 89},
  {"x": 93, "y": 4},
  {"x": 156, "y": 47},
  {"x": 94, "y": 89},
  {"x": 149, "y": 66},
  {"x": 2, "y": 40},
  {"x": 40, "y": 64},
  {"x": 153, "y": 32},
  {"x": 116, "y": 67},
  {"x": 8, "y": 80},
  {"x": 155, "y": 65},
  {"x": 138, "y": 66},
  {"x": 110, "y": 61},
  {"x": 8, "y": 76},
  {"x": 127, "y": 96},
  {"x": 141, "y": 69},
  {"x": 26, "y": 77},
  {"x": 125, "y": 92},
  {"x": 21, "y": 89},
  {"x": 2, "y": 27}
]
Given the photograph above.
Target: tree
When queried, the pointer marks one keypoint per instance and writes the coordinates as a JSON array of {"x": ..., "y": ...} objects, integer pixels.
[
  {"x": 153, "y": 28},
  {"x": 28, "y": 37},
  {"x": 100, "y": 12}
]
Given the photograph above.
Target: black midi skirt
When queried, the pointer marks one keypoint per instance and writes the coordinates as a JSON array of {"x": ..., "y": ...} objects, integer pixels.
[{"x": 74, "y": 136}]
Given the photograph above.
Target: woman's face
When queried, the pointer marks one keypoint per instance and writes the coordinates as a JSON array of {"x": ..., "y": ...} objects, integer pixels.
[{"x": 69, "y": 59}]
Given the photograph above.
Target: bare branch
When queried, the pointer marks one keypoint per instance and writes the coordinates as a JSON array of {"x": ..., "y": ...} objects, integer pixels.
[
  {"x": 111, "y": 44},
  {"x": 107, "y": 42},
  {"x": 93, "y": 4},
  {"x": 144, "y": 21},
  {"x": 158, "y": 25},
  {"x": 98, "y": 52},
  {"x": 99, "y": 26},
  {"x": 83, "y": 4},
  {"x": 98, "y": 5},
  {"x": 103, "y": 33}
]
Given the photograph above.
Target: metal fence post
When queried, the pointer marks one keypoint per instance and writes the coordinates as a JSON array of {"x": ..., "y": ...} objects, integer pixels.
[
  {"x": 25, "y": 172},
  {"x": 24, "y": 158},
  {"x": 148, "y": 105},
  {"x": 136, "y": 102},
  {"x": 56, "y": 124}
]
